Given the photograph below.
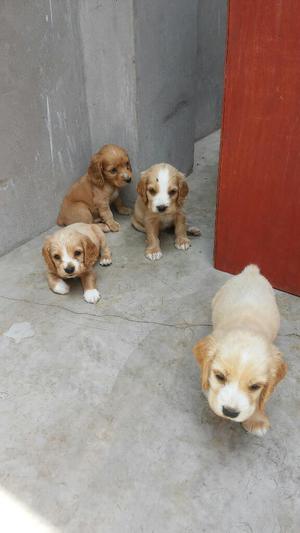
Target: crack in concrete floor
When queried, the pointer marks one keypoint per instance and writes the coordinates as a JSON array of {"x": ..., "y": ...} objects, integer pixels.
[{"x": 103, "y": 423}]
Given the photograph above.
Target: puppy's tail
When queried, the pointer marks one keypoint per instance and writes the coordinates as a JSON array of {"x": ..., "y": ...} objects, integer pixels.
[{"x": 252, "y": 269}]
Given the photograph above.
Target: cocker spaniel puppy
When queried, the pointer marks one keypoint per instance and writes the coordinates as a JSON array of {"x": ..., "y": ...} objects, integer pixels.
[
  {"x": 71, "y": 252},
  {"x": 89, "y": 198},
  {"x": 240, "y": 364},
  {"x": 162, "y": 190}
]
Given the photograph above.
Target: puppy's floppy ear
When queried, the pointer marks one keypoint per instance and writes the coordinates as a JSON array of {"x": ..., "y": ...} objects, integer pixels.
[
  {"x": 91, "y": 252},
  {"x": 142, "y": 186},
  {"x": 277, "y": 372},
  {"x": 95, "y": 170},
  {"x": 204, "y": 351},
  {"x": 183, "y": 188},
  {"x": 47, "y": 255}
]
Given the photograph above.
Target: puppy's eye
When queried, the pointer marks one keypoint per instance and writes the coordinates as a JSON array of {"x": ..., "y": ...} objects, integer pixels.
[
  {"x": 113, "y": 171},
  {"x": 255, "y": 386},
  {"x": 77, "y": 253},
  {"x": 152, "y": 190},
  {"x": 172, "y": 192},
  {"x": 220, "y": 377},
  {"x": 57, "y": 257},
  {"x": 128, "y": 165}
]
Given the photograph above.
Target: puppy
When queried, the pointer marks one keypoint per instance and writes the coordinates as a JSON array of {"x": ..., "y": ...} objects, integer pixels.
[
  {"x": 162, "y": 190},
  {"x": 240, "y": 364},
  {"x": 71, "y": 252},
  {"x": 90, "y": 197}
]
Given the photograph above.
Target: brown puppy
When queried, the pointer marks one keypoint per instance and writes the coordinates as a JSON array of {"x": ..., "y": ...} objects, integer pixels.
[
  {"x": 71, "y": 252},
  {"x": 162, "y": 191},
  {"x": 90, "y": 197}
]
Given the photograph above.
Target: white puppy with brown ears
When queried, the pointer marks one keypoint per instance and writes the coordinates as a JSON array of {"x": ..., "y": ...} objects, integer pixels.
[
  {"x": 162, "y": 190},
  {"x": 240, "y": 364},
  {"x": 71, "y": 252}
]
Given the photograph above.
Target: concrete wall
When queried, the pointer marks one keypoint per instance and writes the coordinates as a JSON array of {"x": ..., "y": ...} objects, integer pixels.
[
  {"x": 166, "y": 39},
  {"x": 109, "y": 63},
  {"x": 44, "y": 131},
  {"x": 108, "y": 48},
  {"x": 79, "y": 73},
  {"x": 212, "y": 24}
]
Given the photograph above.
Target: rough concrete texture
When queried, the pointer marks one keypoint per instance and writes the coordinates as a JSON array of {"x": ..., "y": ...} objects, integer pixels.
[
  {"x": 108, "y": 48},
  {"x": 212, "y": 24},
  {"x": 44, "y": 132},
  {"x": 103, "y": 425},
  {"x": 107, "y": 31},
  {"x": 166, "y": 43}
]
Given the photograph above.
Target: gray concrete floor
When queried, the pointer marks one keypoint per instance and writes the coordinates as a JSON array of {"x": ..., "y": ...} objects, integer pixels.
[{"x": 103, "y": 426}]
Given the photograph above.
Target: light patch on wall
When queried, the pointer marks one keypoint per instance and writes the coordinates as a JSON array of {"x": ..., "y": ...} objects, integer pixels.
[
  {"x": 49, "y": 127},
  {"x": 51, "y": 12}
]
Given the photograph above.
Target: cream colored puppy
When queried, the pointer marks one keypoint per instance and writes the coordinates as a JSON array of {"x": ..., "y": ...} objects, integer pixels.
[
  {"x": 240, "y": 364},
  {"x": 71, "y": 252}
]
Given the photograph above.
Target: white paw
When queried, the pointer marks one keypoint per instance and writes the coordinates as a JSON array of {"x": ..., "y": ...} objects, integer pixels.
[
  {"x": 91, "y": 296},
  {"x": 259, "y": 432},
  {"x": 154, "y": 256},
  {"x": 105, "y": 261},
  {"x": 61, "y": 287},
  {"x": 182, "y": 245}
]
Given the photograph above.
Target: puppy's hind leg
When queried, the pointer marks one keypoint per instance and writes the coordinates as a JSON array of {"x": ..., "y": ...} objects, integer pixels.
[
  {"x": 105, "y": 253},
  {"x": 74, "y": 212},
  {"x": 120, "y": 207},
  {"x": 102, "y": 226},
  {"x": 137, "y": 225},
  {"x": 194, "y": 231}
]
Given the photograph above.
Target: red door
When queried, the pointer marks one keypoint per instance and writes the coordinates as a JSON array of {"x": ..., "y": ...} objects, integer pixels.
[{"x": 258, "y": 204}]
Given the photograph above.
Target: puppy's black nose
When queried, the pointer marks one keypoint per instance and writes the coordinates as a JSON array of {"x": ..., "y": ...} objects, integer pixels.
[
  {"x": 127, "y": 179},
  {"x": 231, "y": 413},
  {"x": 69, "y": 269},
  {"x": 161, "y": 208}
]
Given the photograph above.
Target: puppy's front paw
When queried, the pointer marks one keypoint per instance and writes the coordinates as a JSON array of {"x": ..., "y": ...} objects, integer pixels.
[
  {"x": 113, "y": 225},
  {"x": 104, "y": 227},
  {"x": 182, "y": 243},
  {"x": 105, "y": 261},
  {"x": 61, "y": 287},
  {"x": 257, "y": 425},
  {"x": 91, "y": 296},
  {"x": 125, "y": 210},
  {"x": 154, "y": 254}
]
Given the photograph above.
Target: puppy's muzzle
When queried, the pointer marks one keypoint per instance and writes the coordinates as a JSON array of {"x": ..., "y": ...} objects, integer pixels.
[
  {"x": 69, "y": 269},
  {"x": 231, "y": 413},
  {"x": 127, "y": 178},
  {"x": 161, "y": 208}
]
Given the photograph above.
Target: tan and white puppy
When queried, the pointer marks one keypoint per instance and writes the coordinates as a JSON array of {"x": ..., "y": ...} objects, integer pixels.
[
  {"x": 240, "y": 364},
  {"x": 89, "y": 198},
  {"x": 71, "y": 252},
  {"x": 162, "y": 190}
]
